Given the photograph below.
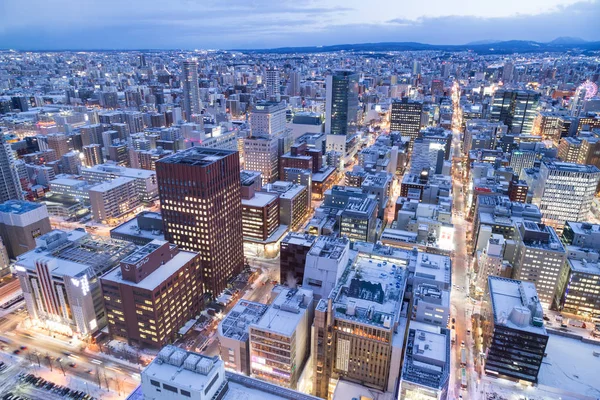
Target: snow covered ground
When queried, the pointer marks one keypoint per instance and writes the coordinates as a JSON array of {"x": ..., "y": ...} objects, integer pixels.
[{"x": 571, "y": 366}]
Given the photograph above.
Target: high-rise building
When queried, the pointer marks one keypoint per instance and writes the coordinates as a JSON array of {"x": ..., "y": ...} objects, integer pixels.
[
  {"x": 341, "y": 103},
  {"x": 507, "y": 72},
  {"x": 515, "y": 108},
  {"x": 358, "y": 331},
  {"x": 191, "y": 90},
  {"x": 261, "y": 153},
  {"x": 272, "y": 83},
  {"x": 514, "y": 333},
  {"x": 93, "y": 155},
  {"x": 520, "y": 159},
  {"x": 294, "y": 83},
  {"x": 202, "y": 209},
  {"x": 20, "y": 223},
  {"x": 58, "y": 143},
  {"x": 564, "y": 191},
  {"x": 579, "y": 295},
  {"x": 10, "y": 185},
  {"x": 133, "y": 294},
  {"x": 406, "y": 117},
  {"x": 540, "y": 258},
  {"x": 267, "y": 118}
]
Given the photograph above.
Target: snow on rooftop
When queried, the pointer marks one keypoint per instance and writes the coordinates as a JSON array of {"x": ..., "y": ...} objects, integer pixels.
[
  {"x": 571, "y": 366},
  {"x": 157, "y": 277},
  {"x": 286, "y": 311},
  {"x": 516, "y": 305},
  {"x": 370, "y": 291}
]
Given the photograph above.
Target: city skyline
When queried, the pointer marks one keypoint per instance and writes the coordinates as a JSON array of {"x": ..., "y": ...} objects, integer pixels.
[{"x": 260, "y": 24}]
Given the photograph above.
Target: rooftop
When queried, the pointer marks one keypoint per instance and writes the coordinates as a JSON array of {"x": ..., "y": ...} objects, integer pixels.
[
  {"x": 236, "y": 322},
  {"x": 570, "y": 167},
  {"x": 158, "y": 276},
  {"x": 329, "y": 247},
  {"x": 370, "y": 291},
  {"x": 198, "y": 156},
  {"x": 259, "y": 200},
  {"x": 433, "y": 267},
  {"x": 299, "y": 239},
  {"x": 18, "y": 207},
  {"x": 516, "y": 305},
  {"x": 73, "y": 253},
  {"x": 188, "y": 369},
  {"x": 286, "y": 311},
  {"x": 427, "y": 355},
  {"x": 109, "y": 185}
]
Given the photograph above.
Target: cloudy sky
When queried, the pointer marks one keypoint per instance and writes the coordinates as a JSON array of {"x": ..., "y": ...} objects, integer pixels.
[{"x": 191, "y": 24}]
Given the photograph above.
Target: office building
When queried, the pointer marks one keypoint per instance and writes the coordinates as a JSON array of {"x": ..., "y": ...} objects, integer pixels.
[
  {"x": 513, "y": 332},
  {"x": 260, "y": 216},
  {"x": 580, "y": 294},
  {"x": 152, "y": 294},
  {"x": 361, "y": 318},
  {"x": 202, "y": 209},
  {"x": 405, "y": 117},
  {"x": 75, "y": 188},
  {"x": 60, "y": 280},
  {"x": 267, "y": 118},
  {"x": 280, "y": 340},
  {"x": 113, "y": 199},
  {"x": 540, "y": 258},
  {"x": 93, "y": 155},
  {"x": 191, "y": 90},
  {"x": 261, "y": 153},
  {"x": 359, "y": 220},
  {"x": 10, "y": 184},
  {"x": 233, "y": 335},
  {"x": 426, "y": 367},
  {"x": 341, "y": 114},
  {"x": 293, "y": 251},
  {"x": 58, "y": 143},
  {"x": 554, "y": 126},
  {"x": 517, "y": 109},
  {"x": 293, "y": 202},
  {"x": 272, "y": 83},
  {"x": 520, "y": 160},
  {"x": 21, "y": 222},
  {"x": 564, "y": 191},
  {"x": 146, "y": 185}
]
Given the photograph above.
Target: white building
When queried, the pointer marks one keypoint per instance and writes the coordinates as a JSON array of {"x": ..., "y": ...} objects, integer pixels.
[
  {"x": 146, "y": 184},
  {"x": 268, "y": 118},
  {"x": 565, "y": 192},
  {"x": 114, "y": 198},
  {"x": 176, "y": 374},
  {"x": 325, "y": 262},
  {"x": 60, "y": 279}
]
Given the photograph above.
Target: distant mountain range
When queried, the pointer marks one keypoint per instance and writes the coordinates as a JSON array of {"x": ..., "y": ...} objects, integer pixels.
[{"x": 560, "y": 44}]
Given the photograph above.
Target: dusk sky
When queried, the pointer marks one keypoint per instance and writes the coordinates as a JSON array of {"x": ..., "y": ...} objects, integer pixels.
[{"x": 190, "y": 24}]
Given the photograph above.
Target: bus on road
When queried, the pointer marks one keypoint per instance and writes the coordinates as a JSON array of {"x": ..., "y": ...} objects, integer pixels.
[
  {"x": 463, "y": 357},
  {"x": 463, "y": 378}
]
